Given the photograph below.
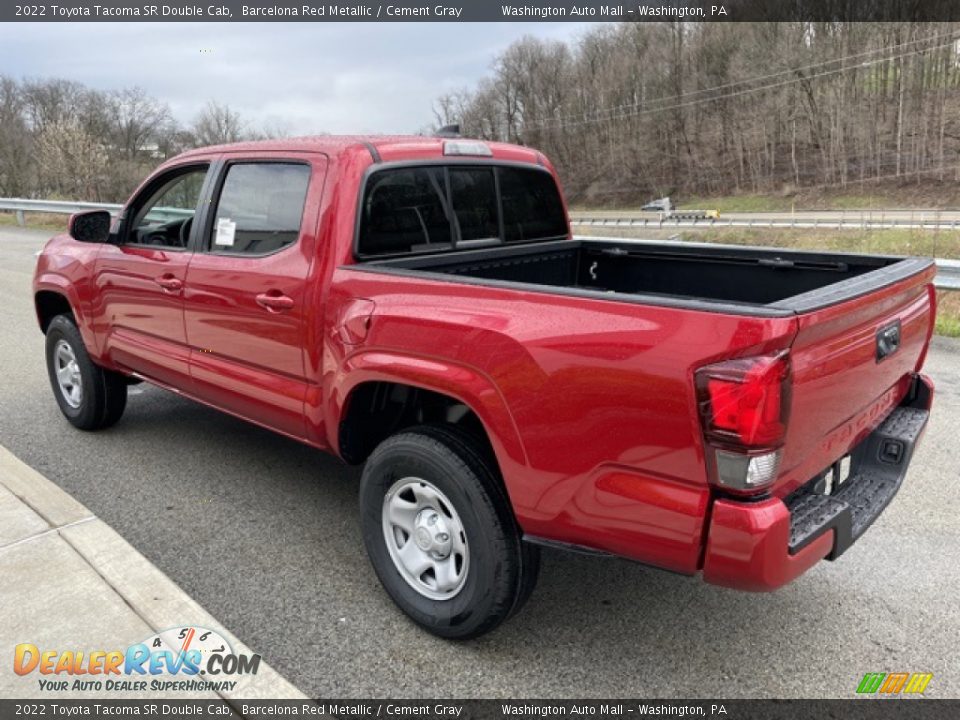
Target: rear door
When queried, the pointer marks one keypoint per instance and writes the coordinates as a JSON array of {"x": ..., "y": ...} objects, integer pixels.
[
  {"x": 140, "y": 278},
  {"x": 245, "y": 300}
]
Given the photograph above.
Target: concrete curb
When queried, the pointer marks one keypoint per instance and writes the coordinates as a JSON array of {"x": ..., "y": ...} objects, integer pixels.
[
  {"x": 42, "y": 496},
  {"x": 158, "y": 601}
]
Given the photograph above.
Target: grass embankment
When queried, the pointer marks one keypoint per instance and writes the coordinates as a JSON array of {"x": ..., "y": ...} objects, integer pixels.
[
  {"x": 779, "y": 203},
  {"x": 948, "y": 313},
  {"x": 927, "y": 195},
  {"x": 36, "y": 221},
  {"x": 941, "y": 244},
  {"x": 944, "y": 244}
]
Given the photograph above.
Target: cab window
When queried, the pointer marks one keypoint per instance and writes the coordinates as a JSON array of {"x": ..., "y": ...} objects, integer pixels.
[
  {"x": 259, "y": 209},
  {"x": 532, "y": 208},
  {"x": 165, "y": 215},
  {"x": 405, "y": 210},
  {"x": 474, "y": 198}
]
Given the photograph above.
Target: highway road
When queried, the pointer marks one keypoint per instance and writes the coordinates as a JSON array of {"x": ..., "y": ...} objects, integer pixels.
[
  {"x": 263, "y": 532},
  {"x": 914, "y": 220},
  {"x": 825, "y": 216}
]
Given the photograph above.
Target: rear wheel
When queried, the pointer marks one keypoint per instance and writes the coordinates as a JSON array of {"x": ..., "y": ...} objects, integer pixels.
[
  {"x": 89, "y": 396},
  {"x": 440, "y": 534}
]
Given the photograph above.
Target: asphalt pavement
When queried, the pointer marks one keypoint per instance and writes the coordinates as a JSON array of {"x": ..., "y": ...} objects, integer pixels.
[
  {"x": 70, "y": 581},
  {"x": 263, "y": 533}
]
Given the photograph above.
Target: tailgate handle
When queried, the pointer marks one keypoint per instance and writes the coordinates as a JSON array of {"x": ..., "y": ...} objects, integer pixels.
[{"x": 888, "y": 340}]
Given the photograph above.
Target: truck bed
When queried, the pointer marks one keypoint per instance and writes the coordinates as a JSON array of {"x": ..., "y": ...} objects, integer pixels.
[
  {"x": 672, "y": 308},
  {"x": 718, "y": 277}
]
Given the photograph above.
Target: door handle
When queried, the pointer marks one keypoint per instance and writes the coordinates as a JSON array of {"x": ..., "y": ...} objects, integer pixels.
[
  {"x": 274, "y": 302},
  {"x": 169, "y": 282}
]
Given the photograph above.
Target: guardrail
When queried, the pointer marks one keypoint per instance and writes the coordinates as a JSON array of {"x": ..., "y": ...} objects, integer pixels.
[
  {"x": 948, "y": 275},
  {"x": 948, "y": 271},
  {"x": 799, "y": 221},
  {"x": 60, "y": 207}
]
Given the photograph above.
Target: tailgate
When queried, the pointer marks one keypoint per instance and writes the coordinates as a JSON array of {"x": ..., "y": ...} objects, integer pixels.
[{"x": 846, "y": 376}]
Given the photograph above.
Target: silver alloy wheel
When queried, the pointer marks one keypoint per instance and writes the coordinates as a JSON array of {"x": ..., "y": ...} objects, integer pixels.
[
  {"x": 425, "y": 538},
  {"x": 68, "y": 373}
]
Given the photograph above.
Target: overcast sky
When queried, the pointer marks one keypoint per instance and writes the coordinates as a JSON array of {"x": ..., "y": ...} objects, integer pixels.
[{"x": 303, "y": 77}]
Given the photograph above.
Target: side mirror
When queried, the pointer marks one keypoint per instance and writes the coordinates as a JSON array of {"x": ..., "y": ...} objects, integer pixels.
[{"x": 92, "y": 226}]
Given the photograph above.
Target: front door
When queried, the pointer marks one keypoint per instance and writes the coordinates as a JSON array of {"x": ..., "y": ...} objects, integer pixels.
[
  {"x": 246, "y": 290},
  {"x": 140, "y": 278}
]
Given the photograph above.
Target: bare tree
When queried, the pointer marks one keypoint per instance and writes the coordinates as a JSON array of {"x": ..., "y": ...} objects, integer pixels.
[
  {"x": 60, "y": 138},
  {"x": 448, "y": 108},
  {"x": 15, "y": 142},
  {"x": 71, "y": 162},
  {"x": 217, "y": 124},
  {"x": 269, "y": 131},
  {"x": 136, "y": 122},
  {"x": 47, "y": 102}
]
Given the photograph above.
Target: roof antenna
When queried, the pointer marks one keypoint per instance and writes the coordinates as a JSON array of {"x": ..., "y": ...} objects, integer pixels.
[{"x": 448, "y": 131}]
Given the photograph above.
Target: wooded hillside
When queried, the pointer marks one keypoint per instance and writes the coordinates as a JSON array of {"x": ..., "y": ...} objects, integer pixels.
[{"x": 634, "y": 111}]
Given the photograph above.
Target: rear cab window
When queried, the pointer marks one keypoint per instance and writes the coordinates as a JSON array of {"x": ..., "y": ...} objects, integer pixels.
[{"x": 429, "y": 209}]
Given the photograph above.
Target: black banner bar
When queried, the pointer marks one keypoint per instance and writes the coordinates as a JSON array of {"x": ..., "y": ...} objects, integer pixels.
[
  {"x": 484, "y": 11},
  {"x": 855, "y": 709}
]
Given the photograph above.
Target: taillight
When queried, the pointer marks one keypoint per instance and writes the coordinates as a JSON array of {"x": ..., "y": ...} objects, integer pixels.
[{"x": 744, "y": 406}]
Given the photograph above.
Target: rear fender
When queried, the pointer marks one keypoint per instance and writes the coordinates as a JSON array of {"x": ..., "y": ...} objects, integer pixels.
[{"x": 465, "y": 384}]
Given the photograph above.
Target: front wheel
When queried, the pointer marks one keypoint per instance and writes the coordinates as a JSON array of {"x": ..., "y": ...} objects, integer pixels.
[
  {"x": 440, "y": 534},
  {"x": 89, "y": 396}
]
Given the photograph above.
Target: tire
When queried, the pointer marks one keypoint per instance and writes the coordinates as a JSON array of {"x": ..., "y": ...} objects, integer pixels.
[
  {"x": 439, "y": 470},
  {"x": 101, "y": 397}
]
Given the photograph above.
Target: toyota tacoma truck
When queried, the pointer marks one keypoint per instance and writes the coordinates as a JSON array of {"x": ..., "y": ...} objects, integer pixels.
[{"x": 420, "y": 306}]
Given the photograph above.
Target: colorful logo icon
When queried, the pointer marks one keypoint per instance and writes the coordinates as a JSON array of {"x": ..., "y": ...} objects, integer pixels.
[
  {"x": 201, "y": 658},
  {"x": 899, "y": 683}
]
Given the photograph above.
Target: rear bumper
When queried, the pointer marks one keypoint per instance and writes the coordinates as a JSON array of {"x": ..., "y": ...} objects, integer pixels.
[{"x": 765, "y": 544}]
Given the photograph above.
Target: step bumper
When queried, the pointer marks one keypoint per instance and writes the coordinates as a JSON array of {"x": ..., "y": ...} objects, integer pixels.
[{"x": 765, "y": 544}]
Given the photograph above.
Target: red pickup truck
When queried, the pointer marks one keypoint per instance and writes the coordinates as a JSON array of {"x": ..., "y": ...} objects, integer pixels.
[{"x": 419, "y": 305}]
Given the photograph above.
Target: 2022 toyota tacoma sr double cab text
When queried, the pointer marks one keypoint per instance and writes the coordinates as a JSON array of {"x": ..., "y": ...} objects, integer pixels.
[{"x": 420, "y": 306}]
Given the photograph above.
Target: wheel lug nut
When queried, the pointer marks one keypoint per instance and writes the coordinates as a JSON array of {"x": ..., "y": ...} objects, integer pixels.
[{"x": 443, "y": 537}]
